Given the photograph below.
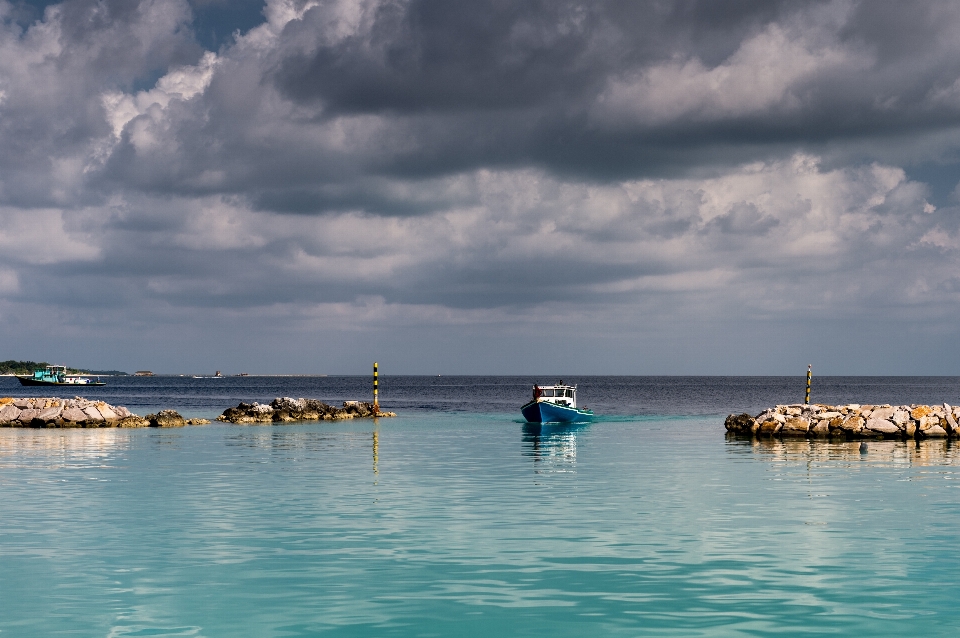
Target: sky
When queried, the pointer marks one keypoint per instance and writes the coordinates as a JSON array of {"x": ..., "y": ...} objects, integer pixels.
[{"x": 485, "y": 187}]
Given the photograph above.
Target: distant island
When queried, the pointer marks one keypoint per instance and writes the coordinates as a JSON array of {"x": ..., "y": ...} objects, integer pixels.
[{"x": 27, "y": 367}]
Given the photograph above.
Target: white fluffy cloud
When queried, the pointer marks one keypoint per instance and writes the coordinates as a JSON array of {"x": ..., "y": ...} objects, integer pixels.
[
  {"x": 770, "y": 71},
  {"x": 345, "y": 167}
]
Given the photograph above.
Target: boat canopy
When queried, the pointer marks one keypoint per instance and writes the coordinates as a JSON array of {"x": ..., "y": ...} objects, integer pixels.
[{"x": 560, "y": 394}]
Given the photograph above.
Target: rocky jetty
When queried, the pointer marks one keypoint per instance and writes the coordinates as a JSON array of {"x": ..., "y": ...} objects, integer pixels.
[
  {"x": 850, "y": 422},
  {"x": 52, "y": 412},
  {"x": 288, "y": 410},
  {"x": 171, "y": 419}
]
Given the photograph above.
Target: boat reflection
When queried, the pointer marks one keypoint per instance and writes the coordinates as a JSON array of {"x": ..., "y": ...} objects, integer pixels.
[
  {"x": 931, "y": 452},
  {"x": 552, "y": 446}
]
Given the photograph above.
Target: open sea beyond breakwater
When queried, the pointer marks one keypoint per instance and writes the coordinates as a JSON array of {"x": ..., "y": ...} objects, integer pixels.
[{"x": 457, "y": 519}]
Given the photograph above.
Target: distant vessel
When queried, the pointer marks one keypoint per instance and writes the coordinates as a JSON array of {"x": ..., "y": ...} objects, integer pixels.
[
  {"x": 555, "y": 404},
  {"x": 57, "y": 375},
  {"x": 216, "y": 376}
]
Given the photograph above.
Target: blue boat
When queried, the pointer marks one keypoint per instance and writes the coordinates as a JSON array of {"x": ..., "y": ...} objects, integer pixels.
[{"x": 555, "y": 404}]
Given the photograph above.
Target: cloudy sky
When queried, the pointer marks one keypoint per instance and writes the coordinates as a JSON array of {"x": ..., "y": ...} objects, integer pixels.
[{"x": 493, "y": 186}]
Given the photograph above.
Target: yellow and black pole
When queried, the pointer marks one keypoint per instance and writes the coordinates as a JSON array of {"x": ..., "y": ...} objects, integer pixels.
[
  {"x": 376, "y": 388},
  {"x": 806, "y": 399}
]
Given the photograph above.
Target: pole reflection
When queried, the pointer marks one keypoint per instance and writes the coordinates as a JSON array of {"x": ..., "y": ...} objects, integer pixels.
[{"x": 376, "y": 447}]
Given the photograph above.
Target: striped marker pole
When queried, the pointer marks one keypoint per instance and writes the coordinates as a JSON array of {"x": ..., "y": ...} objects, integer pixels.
[
  {"x": 376, "y": 390},
  {"x": 806, "y": 400}
]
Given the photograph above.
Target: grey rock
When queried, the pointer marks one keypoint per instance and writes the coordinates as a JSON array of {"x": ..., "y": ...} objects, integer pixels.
[
  {"x": 106, "y": 412},
  {"x": 50, "y": 414},
  {"x": 74, "y": 414},
  {"x": 935, "y": 432},
  {"x": 882, "y": 426},
  {"x": 28, "y": 415},
  {"x": 93, "y": 414},
  {"x": 9, "y": 413},
  {"x": 882, "y": 413},
  {"x": 900, "y": 416}
]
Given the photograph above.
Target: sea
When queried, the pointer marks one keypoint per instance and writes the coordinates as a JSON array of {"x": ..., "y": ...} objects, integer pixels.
[{"x": 456, "y": 518}]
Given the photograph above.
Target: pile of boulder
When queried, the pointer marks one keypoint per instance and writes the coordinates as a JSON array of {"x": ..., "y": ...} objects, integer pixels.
[
  {"x": 171, "y": 419},
  {"x": 287, "y": 410},
  {"x": 52, "y": 412},
  {"x": 47, "y": 412},
  {"x": 850, "y": 422}
]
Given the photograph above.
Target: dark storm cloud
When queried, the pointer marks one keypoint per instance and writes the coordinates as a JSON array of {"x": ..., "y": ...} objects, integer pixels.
[
  {"x": 539, "y": 70},
  {"x": 605, "y": 91},
  {"x": 618, "y": 163},
  {"x": 430, "y": 55},
  {"x": 437, "y": 56}
]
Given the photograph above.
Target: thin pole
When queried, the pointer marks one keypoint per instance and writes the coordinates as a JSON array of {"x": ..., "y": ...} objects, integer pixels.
[
  {"x": 806, "y": 400},
  {"x": 376, "y": 388}
]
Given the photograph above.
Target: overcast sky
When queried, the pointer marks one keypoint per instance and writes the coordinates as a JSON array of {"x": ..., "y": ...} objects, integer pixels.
[{"x": 491, "y": 186}]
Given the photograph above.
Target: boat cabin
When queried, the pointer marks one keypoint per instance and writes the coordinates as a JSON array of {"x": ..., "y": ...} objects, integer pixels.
[
  {"x": 54, "y": 373},
  {"x": 559, "y": 394}
]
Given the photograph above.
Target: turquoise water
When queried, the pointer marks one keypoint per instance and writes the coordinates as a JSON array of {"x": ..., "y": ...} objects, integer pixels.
[{"x": 463, "y": 524}]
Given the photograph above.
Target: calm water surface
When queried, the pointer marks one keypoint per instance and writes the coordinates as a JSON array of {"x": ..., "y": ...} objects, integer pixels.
[{"x": 456, "y": 519}]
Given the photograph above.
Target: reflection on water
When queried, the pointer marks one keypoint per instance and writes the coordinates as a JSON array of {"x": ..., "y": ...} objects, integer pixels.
[
  {"x": 280, "y": 439},
  {"x": 930, "y": 452},
  {"x": 21, "y": 447},
  {"x": 553, "y": 446}
]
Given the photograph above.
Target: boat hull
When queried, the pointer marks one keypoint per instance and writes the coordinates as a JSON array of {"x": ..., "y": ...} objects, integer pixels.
[
  {"x": 34, "y": 381},
  {"x": 546, "y": 412}
]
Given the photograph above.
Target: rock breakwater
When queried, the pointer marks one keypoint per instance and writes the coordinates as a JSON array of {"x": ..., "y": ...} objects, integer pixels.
[
  {"x": 288, "y": 410},
  {"x": 850, "y": 422},
  {"x": 54, "y": 412}
]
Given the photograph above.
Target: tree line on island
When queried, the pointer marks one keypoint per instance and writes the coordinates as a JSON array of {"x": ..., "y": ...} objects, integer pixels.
[{"x": 28, "y": 367}]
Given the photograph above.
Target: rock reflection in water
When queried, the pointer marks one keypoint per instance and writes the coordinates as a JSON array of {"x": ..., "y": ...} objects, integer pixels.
[
  {"x": 553, "y": 446},
  {"x": 61, "y": 448},
  {"x": 931, "y": 452}
]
